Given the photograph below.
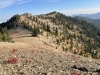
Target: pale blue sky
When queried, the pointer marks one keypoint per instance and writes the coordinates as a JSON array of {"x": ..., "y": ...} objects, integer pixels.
[{"x": 9, "y": 8}]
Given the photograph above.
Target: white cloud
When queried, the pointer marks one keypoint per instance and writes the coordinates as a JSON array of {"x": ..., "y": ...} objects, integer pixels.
[
  {"x": 81, "y": 11},
  {"x": 5, "y": 3}
]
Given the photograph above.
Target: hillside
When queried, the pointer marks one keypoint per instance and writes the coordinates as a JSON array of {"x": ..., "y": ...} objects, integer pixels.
[
  {"x": 95, "y": 22},
  {"x": 49, "y": 44},
  {"x": 25, "y": 59},
  {"x": 60, "y": 32}
]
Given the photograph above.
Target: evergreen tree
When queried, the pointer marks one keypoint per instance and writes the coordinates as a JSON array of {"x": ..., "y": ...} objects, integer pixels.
[
  {"x": 48, "y": 28},
  {"x": 4, "y": 35},
  {"x": 56, "y": 32},
  {"x": 35, "y": 31},
  {"x": 1, "y": 36}
]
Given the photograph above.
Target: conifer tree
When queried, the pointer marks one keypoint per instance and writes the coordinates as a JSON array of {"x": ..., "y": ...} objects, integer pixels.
[
  {"x": 48, "y": 28},
  {"x": 56, "y": 32}
]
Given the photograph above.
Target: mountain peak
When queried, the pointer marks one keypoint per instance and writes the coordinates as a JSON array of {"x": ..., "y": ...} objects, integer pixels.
[{"x": 54, "y": 12}]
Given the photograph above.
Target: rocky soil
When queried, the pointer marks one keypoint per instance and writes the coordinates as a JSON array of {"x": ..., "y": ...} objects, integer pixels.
[
  {"x": 36, "y": 56},
  {"x": 24, "y": 59}
]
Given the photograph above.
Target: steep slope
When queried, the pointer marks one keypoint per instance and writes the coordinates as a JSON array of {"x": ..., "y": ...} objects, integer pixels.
[
  {"x": 95, "y": 22},
  {"x": 59, "y": 31}
]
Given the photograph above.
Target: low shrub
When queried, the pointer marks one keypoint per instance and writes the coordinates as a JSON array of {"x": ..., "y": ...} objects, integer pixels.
[{"x": 12, "y": 60}]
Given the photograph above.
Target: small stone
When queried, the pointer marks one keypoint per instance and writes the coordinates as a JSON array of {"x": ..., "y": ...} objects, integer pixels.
[{"x": 49, "y": 73}]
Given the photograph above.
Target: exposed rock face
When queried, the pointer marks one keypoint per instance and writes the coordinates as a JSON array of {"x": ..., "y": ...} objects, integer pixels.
[{"x": 33, "y": 61}]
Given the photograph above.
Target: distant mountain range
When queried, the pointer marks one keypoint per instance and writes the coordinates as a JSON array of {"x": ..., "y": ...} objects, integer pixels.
[
  {"x": 91, "y": 16},
  {"x": 95, "y": 22}
]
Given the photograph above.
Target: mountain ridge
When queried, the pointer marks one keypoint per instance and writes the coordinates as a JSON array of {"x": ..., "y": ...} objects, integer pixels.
[
  {"x": 49, "y": 44},
  {"x": 92, "y": 21},
  {"x": 59, "y": 29}
]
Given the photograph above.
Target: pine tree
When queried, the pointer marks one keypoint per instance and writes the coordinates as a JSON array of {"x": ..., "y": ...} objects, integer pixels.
[
  {"x": 1, "y": 36},
  {"x": 56, "y": 32},
  {"x": 4, "y": 35},
  {"x": 48, "y": 28},
  {"x": 34, "y": 32}
]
